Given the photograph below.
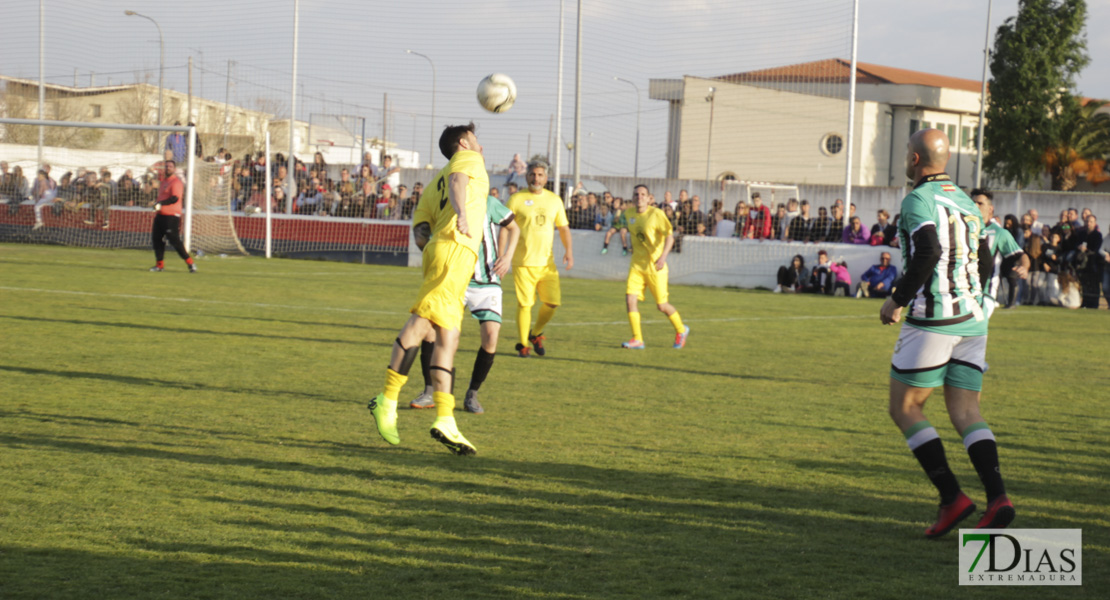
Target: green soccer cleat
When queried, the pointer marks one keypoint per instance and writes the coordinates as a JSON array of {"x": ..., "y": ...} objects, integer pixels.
[
  {"x": 447, "y": 433},
  {"x": 633, "y": 345},
  {"x": 385, "y": 417}
]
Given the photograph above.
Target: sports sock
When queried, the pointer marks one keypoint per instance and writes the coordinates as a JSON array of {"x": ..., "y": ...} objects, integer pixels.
[
  {"x": 634, "y": 320},
  {"x": 426, "y": 349},
  {"x": 542, "y": 319},
  {"x": 445, "y": 404},
  {"x": 927, "y": 447},
  {"x": 189, "y": 260},
  {"x": 983, "y": 451},
  {"x": 394, "y": 381},
  {"x": 523, "y": 323},
  {"x": 605, "y": 245},
  {"x": 677, "y": 322},
  {"x": 482, "y": 364}
]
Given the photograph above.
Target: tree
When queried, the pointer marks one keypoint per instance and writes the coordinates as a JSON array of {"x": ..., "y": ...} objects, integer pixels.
[
  {"x": 1083, "y": 142},
  {"x": 1036, "y": 57}
]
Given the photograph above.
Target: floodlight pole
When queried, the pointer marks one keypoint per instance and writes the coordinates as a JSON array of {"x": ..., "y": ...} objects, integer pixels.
[
  {"x": 432, "y": 128},
  {"x": 636, "y": 164},
  {"x": 161, "y": 58},
  {"x": 42, "y": 77},
  {"x": 851, "y": 117},
  {"x": 983, "y": 101},
  {"x": 578, "y": 103},
  {"x": 291, "y": 160},
  {"x": 558, "y": 147},
  {"x": 711, "y": 99}
]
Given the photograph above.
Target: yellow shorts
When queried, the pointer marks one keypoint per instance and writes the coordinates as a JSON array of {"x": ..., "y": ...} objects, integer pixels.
[
  {"x": 529, "y": 280},
  {"x": 448, "y": 268},
  {"x": 654, "y": 281}
]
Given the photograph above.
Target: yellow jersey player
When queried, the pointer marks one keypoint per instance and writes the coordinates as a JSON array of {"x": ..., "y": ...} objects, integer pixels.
[
  {"x": 539, "y": 213},
  {"x": 652, "y": 239},
  {"x": 447, "y": 225}
]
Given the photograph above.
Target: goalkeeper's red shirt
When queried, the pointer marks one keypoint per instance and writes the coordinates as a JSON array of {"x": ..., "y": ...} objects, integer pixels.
[{"x": 171, "y": 186}]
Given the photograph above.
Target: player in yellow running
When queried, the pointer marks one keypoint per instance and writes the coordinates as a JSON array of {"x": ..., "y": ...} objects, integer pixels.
[
  {"x": 539, "y": 213},
  {"x": 447, "y": 225},
  {"x": 652, "y": 240}
]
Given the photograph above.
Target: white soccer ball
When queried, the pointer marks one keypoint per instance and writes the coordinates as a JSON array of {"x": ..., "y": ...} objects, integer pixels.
[{"x": 497, "y": 92}]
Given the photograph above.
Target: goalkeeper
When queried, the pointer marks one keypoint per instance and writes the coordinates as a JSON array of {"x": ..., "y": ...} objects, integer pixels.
[{"x": 167, "y": 223}]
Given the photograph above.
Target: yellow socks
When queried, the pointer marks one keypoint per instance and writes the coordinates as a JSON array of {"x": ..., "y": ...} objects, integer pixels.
[
  {"x": 634, "y": 320},
  {"x": 394, "y": 381},
  {"x": 523, "y": 323},
  {"x": 677, "y": 322},
  {"x": 546, "y": 313},
  {"x": 445, "y": 404}
]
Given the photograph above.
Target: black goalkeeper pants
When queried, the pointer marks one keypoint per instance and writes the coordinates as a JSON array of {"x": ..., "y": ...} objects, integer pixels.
[{"x": 166, "y": 227}]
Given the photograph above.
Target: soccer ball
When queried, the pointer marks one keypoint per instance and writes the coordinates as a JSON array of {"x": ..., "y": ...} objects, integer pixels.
[{"x": 496, "y": 93}]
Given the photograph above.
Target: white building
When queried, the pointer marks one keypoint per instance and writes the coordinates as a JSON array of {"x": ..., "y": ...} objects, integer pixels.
[{"x": 789, "y": 124}]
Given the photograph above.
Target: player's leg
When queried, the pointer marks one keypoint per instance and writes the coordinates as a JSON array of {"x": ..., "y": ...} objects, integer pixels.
[
  {"x": 158, "y": 240},
  {"x": 962, "y": 387},
  {"x": 427, "y": 345},
  {"x": 634, "y": 290},
  {"x": 525, "y": 280},
  {"x": 175, "y": 241},
  {"x": 657, "y": 285},
  {"x": 444, "y": 429},
  {"x": 551, "y": 296},
  {"x": 404, "y": 353},
  {"x": 919, "y": 364},
  {"x": 483, "y": 362}
]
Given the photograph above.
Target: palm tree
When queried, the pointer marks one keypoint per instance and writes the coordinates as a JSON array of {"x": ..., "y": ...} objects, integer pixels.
[{"x": 1083, "y": 142}]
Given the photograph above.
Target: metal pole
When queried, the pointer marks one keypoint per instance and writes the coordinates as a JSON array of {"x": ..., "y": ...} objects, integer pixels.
[
  {"x": 578, "y": 103},
  {"x": 161, "y": 58},
  {"x": 190, "y": 185},
  {"x": 42, "y": 77},
  {"x": 291, "y": 162},
  {"x": 559, "y": 110},
  {"x": 712, "y": 99},
  {"x": 432, "y": 128},
  {"x": 636, "y": 164},
  {"x": 851, "y": 116},
  {"x": 227, "y": 105},
  {"x": 269, "y": 196},
  {"x": 983, "y": 100},
  {"x": 189, "y": 104}
]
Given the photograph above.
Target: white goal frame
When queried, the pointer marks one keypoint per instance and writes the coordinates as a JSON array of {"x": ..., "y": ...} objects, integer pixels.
[{"x": 187, "y": 207}]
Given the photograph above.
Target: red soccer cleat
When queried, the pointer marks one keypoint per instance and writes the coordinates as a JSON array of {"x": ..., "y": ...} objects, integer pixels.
[
  {"x": 950, "y": 515},
  {"x": 1000, "y": 512},
  {"x": 522, "y": 350},
  {"x": 537, "y": 344}
]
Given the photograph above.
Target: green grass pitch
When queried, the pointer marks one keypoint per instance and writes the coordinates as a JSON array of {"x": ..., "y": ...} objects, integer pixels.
[{"x": 205, "y": 436}]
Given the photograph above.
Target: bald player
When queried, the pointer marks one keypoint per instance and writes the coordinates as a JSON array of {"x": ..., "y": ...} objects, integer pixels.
[{"x": 944, "y": 339}]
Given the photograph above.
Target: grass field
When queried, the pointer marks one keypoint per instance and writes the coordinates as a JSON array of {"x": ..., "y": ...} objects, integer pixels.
[{"x": 205, "y": 436}]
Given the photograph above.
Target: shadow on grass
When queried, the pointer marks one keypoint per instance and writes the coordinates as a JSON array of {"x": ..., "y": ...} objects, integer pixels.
[
  {"x": 163, "y": 383},
  {"x": 185, "y": 330}
]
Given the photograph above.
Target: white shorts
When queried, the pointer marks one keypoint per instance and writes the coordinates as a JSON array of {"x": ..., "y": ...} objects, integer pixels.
[
  {"x": 926, "y": 359},
  {"x": 484, "y": 302}
]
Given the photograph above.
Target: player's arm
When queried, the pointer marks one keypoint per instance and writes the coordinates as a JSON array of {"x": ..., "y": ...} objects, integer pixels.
[
  {"x": 920, "y": 268},
  {"x": 456, "y": 192},
  {"x": 668, "y": 244},
  {"x": 568, "y": 257},
  {"x": 506, "y": 241},
  {"x": 1018, "y": 262},
  {"x": 421, "y": 234}
]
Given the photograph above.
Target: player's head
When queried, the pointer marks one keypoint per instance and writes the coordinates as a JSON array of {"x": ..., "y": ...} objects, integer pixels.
[
  {"x": 170, "y": 165},
  {"x": 642, "y": 197},
  {"x": 927, "y": 153},
  {"x": 536, "y": 175},
  {"x": 984, "y": 199},
  {"x": 458, "y": 137}
]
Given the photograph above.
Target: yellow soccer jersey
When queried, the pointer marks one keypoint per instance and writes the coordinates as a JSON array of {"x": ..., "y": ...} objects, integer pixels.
[
  {"x": 649, "y": 231},
  {"x": 435, "y": 207},
  {"x": 538, "y": 215}
]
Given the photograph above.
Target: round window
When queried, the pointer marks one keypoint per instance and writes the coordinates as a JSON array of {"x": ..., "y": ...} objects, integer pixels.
[{"x": 832, "y": 144}]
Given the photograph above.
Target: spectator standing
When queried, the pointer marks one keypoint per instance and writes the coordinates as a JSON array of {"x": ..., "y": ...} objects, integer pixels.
[
  {"x": 177, "y": 144},
  {"x": 778, "y": 222},
  {"x": 824, "y": 228},
  {"x": 855, "y": 233},
  {"x": 390, "y": 173},
  {"x": 726, "y": 227},
  {"x": 1036, "y": 226},
  {"x": 801, "y": 226},
  {"x": 758, "y": 226},
  {"x": 1088, "y": 261},
  {"x": 886, "y": 230}
]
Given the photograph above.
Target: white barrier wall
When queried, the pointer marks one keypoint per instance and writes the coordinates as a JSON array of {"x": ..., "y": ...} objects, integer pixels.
[{"x": 717, "y": 262}]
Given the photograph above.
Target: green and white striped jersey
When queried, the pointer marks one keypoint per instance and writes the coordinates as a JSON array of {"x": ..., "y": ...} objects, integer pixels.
[
  {"x": 1002, "y": 245},
  {"x": 949, "y": 301},
  {"x": 497, "y": 216}
]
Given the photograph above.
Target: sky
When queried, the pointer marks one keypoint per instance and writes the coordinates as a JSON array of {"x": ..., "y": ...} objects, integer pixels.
[{"x": 351, "y": 58}]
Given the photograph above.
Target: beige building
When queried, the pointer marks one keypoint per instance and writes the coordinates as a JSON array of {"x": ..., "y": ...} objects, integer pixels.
[
  {"x": 135, "y": 103},
  {"x": 789, "y": 124}
]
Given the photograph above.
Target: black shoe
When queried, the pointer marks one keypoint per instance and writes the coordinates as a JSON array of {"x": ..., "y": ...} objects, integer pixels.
[{"x": 471, "y": 404}]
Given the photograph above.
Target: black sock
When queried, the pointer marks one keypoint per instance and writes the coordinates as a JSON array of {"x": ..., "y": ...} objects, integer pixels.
[
  {"x": 984, "y": 455},
  {"x": 605, "y": 244},
  {"x": 426, "y": 349},
  {"x": 932, "y": 459},
  {"x": 482, "y": 364}
]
